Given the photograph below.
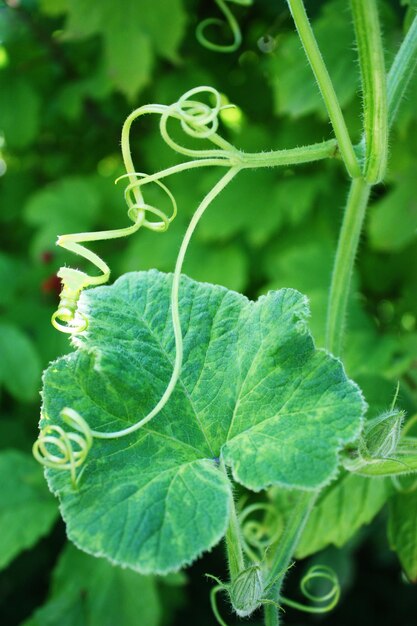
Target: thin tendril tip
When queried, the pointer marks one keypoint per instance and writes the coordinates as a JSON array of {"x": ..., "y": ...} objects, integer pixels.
[{"x": 61, "y": 450}]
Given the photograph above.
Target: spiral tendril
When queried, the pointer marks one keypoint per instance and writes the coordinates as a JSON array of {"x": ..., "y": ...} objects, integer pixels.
[
  {"x": 61, "y": 450},
  {"x": 198, "y": 120},
  {"x": 259, "y": 534},
  {"x": 330, "y": 598},
  {"x": 229, "y": 20},
  {"x": 55, "y": 448}
]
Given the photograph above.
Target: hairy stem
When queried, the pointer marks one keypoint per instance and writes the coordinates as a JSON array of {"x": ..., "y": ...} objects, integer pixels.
[
  {"x": 271, "y": 615},
  {"x": 398, "y": 79},
  {"x": 325, "y": 84},
  {"x": 401, "y": 71},
  {"x": 374, "y": 88},
  {"x": 344, "y": 261},
  {"x": 290, "y": 156},
  {"x": 285, "y": 550},
  {"x": 233, "y": 538}
]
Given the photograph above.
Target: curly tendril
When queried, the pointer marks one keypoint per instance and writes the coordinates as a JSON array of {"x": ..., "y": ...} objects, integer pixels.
[
  {"x": 328, "y": 600},
  {"x": 229, "y": 21},
  {"x": 199, "y": 120},
  {"x": 55, "y": 448},
  {"x": 259, "y": 534},
  {"x": 63, "y": 450}
]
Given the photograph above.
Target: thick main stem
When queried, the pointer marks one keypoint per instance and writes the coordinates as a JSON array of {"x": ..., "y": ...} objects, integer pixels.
[
  {"x": 285, "y": 549},
  {"x": 401, "y": 71},
  {"x": 325, "y": 84},
  {"x": 233, "y": 538},
  {"x": 398, "y": 79},
  {"x": 343, "y": 267},
  {"x": 374, "y": 87}
]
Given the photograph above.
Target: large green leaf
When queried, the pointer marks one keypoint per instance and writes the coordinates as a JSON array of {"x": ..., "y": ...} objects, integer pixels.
[
  {"x": 253, "y": 390},
  {"x": 91, "y": 592},
  {"x": 27, "y": 510},
  {"x": 133, "y": 31},
  {"x": 402, "y": 530},
  {"x": 343, "y": 508}
]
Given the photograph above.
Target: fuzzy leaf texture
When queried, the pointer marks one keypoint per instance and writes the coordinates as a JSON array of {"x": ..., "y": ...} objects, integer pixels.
[{"x": 253, "y": 390}]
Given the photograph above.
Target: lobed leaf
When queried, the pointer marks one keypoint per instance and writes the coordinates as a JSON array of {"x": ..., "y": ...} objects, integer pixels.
[{"x": 253, "y": 391}]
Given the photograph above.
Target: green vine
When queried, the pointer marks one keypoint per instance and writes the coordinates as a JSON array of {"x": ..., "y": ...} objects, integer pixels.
[
  {"x": 200, "y": 121},
  {"x": 259, "y": 552}
]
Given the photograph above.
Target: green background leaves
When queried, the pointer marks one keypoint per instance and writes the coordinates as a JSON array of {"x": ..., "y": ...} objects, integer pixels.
[
  {"x": 20, "y": 367},
  {"x": 402, "y": 530},
  {"x": 133, "y": 32},
  {"x": 27, "y": 511},
  {"x": 65, "y": 77},
  {"x": 90, "y": 592}
]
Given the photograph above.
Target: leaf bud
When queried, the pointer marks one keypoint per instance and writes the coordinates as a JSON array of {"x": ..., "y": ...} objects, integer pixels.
[
  {"x": 382, "y": 434},
  {"x": 246, "y": 591}
]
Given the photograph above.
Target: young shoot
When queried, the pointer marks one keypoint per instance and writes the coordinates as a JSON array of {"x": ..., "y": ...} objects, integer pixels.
[{"x": 200, "y": 121}]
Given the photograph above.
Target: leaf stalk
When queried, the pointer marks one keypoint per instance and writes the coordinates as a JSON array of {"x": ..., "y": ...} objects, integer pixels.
[
  {"x": 325, "y": 85},
  {"x": 374, "y": 88},
  {"x": 343, "y": 266}
]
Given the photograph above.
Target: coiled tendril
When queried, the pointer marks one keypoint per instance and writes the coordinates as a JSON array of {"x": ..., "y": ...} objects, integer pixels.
[
  {"x": 63, "y": 450},
  {"x": 55, "y": 447},
  {"x": 229, "y": 20},
  {"x": 328, "y": 600},
  {"x": 259, "y": 534},
  {"x": 199, "y": 120},
  {"x": 248, "y": 591}
]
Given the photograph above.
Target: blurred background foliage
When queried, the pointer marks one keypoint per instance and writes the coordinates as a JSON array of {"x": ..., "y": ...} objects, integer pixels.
[{"x": 70, "y": 72}]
